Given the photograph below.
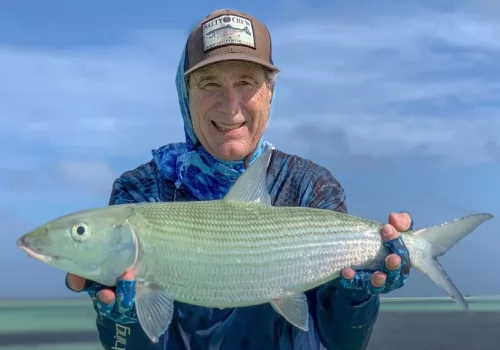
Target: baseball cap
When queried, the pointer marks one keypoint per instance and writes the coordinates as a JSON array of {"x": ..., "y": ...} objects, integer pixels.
[{"x": 228, "y": 35}]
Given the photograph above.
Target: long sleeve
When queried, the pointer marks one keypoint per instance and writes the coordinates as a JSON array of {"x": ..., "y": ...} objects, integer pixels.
[
  {"x": 132, "y": 187},
  {"x": 135, "y": 186},
  {"x": 344, "y": 319}
]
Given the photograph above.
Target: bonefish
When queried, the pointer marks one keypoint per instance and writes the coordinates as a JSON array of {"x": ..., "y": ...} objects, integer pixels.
[{"x": 235, "y": 252}]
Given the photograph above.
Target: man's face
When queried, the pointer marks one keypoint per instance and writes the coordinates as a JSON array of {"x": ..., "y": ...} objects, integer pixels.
[{"x": 229, "y": 104}]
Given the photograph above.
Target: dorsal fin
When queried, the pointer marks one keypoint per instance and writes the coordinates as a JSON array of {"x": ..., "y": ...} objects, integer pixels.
[{"x": 251, "y": 185}]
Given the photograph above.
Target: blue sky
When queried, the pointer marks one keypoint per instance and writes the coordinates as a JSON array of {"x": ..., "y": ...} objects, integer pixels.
[{"x": 399, "y": 101}]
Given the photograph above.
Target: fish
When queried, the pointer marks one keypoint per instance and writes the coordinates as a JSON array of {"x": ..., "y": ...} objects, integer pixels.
[
  {"x": 226, "y": 31},
  {"x": 237, "y": 251}
]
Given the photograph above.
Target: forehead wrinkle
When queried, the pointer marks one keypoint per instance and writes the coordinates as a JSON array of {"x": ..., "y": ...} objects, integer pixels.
[{"x": 245, "y": 70}]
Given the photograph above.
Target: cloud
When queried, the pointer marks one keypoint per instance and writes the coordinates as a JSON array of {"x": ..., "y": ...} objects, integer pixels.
[
  {"x": 421, "y": 84},
  {"x": 394, "y": 62},
  {"x": 91, "y": 176},
  {"x": 372, "y": 140},
  {"x": 95, "y": 176},
  {"x": 78, "y": 100},
  {"x": 362, "y": 89},
  {"x": 74, "y": 119},
  {"x": 369, "y": 61},
  {"x": 358, "y": 90},
  {"x": 413, "y": 79}
]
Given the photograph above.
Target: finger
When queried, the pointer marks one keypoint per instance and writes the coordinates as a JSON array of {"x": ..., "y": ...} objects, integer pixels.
[
  {"x": 125, "y": 294},
  {"x": 75, "y": 283},
  {"x": 105, "y": 302},
  {"x": 358, "y": 281},
  {"x": 392, "y": 268},
  {"x": 397, "y": 247},
  {"x": 100, "y": 298},
  {"x": 389, "y": 233},
  {"x": 362, "y": 281},
  {"x": 106, "y": 296},
  {"x": 117, "y": 304},
  {"x": 392, "y": 262},
  {"x": 378, "y": 279},
  {"x": 398, "y": 258},
  {"x": 128, "y": 275},
  {"x": 402, "y": 222},
  {"x": 348, "y": 273}
]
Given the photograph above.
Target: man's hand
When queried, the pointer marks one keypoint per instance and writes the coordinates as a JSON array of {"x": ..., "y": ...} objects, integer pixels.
[
  {"x": 116, "y": 303},
  {"x": 396, "y": 268}
]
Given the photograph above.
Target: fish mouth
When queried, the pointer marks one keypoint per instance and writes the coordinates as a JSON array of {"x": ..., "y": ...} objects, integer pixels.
[{"x": 34, "y": 253}]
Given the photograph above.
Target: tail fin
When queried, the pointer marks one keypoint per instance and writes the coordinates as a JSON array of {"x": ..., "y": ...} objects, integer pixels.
[{"x": 440, "y": 239}]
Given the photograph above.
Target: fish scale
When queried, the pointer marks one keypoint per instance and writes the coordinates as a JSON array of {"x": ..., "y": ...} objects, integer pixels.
[
  {"x": 237, "y": 251},
  {"x": 217, "y": 258}
]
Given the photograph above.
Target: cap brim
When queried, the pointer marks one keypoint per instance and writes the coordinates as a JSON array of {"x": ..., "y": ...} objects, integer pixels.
[{"x": 232, "y": 57}]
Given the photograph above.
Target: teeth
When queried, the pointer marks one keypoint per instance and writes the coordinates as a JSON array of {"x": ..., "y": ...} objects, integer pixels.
[{"x": 222, "y": 127}]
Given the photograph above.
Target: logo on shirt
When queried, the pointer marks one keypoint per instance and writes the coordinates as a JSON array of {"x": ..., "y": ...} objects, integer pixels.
[
  {"x": 121, "y": 334},
  {"x": 228, "y": 30}
]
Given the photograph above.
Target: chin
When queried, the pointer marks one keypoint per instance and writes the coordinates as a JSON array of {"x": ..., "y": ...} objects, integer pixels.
[{"x": 232, "y": 152}]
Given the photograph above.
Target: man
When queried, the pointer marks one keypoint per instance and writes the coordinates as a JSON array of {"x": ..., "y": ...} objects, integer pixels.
[{"x": 225, "y": 83}]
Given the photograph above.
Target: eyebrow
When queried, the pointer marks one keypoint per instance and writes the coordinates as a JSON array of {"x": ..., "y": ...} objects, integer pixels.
[
  {"x": 209, "y": 75},
  {"x": 205, "y": 76},
  {"x": 247, "y": 76}
]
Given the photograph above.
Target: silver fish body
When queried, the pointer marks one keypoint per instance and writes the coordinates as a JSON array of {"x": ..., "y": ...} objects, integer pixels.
[
  {"x": 235, "y": 252},
  {"x": 229, "y": 254}
]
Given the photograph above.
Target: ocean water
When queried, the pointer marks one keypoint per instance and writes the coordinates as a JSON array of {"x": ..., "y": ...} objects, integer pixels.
[{"x": 410, "y": 323}]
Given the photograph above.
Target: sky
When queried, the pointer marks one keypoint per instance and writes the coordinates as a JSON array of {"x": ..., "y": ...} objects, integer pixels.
[{"x": 399, "y": 101}]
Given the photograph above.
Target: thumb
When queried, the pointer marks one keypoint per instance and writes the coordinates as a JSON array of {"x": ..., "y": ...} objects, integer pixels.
[
  {"x": 128, "y": 275},
  {"x": 108, "y": 295},
  {"x": 75, "y": 283}
]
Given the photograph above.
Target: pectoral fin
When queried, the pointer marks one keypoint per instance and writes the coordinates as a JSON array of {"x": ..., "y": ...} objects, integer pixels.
[
  {"x": 155, "y": 308},
  {"x": 294, "y": 309}
]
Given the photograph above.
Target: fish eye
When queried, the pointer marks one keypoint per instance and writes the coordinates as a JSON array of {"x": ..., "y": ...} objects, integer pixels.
[{"x": 80, "y": 232}]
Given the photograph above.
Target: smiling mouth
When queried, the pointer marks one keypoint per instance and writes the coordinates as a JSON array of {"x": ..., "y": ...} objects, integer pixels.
[{"x": 225, "y": 127}]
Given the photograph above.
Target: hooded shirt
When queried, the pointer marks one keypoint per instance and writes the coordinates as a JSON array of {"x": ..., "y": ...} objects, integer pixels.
[{"x": 339, "y": 319}]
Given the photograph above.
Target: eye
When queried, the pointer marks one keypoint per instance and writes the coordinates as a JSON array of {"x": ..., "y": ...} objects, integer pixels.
[
  {"x": 80, "y": 232},
  {"x": 210, "y": 85}
]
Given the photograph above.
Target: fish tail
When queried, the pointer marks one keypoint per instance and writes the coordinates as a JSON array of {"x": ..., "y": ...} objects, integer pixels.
[{"x": 439, "y": 239}]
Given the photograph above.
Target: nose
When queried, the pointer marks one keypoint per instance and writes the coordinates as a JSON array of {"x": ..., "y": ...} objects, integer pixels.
[{"x": 230, "y": 101}]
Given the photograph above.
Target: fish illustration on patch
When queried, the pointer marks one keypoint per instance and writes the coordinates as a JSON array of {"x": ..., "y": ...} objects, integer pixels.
[{"x": 226, "y": 31}]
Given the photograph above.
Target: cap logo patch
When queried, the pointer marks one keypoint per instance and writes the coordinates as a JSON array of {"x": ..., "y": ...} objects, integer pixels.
[{"x": 228, "y": 30}]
